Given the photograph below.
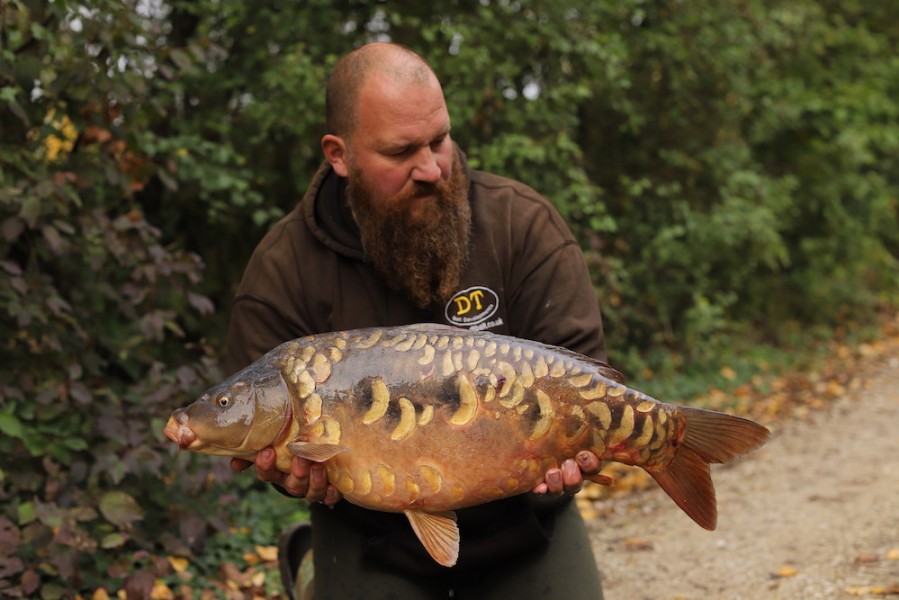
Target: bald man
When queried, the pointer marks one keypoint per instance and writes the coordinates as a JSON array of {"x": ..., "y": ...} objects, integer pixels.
[{"x": 396, "y": 229}]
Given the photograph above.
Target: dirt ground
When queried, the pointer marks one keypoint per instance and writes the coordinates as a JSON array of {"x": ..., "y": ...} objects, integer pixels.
[{"x": 812, "y": 514}]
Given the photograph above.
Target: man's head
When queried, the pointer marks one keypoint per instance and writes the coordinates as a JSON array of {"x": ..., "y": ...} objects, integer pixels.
[{"x": 389, "y": 136}]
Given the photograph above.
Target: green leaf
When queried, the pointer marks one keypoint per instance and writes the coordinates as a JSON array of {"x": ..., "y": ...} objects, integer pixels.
[
  {"x": 27, "y": 513},
  {"x": 120, "y": 508},
  {"x": 113, "y": 540},
  {"x": 75, "y": 444},
  {"x": 7, "y": 94},
  {"x": 10, "y": 425}
]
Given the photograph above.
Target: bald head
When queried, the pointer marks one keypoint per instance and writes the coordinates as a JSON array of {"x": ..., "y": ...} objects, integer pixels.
[{"x": 394, "y": 62}]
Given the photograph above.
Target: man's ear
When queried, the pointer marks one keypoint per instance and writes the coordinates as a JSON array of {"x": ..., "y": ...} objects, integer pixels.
[{"x": 334, "y": 149}]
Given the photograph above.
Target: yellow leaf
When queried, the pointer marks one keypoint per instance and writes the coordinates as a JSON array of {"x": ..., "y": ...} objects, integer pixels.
[
  {"x": 267, "y": 553},
  {"x": 258, "y": 579},
  {"x": 872, "y": 590},
  {"x": 728, "y": 373},
  {"x": 635, "y": 544},
  {"x": 161, "y": 591},
  {"x": 178, "y": 563},
  {"x": 100, "y": 594},
  {"x": 787, "y": 571},
  {"x": 857, "y": 591},
  {"x": 893, "y": 554}
]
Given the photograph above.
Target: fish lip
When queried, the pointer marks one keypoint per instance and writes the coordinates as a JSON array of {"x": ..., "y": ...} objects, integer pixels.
[{"x": 179, "y": 431}]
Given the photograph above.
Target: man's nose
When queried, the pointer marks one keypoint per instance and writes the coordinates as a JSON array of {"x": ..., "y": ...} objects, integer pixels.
[{"x": 426, "y": 168}]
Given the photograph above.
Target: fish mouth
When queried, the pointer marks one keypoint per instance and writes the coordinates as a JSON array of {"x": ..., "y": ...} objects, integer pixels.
[{"x": 179, "y": 431}]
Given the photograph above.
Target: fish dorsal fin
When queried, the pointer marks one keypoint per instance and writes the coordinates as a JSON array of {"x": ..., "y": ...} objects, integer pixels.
[
  {"x": 315, "y": 452},
  {"x": 438, "y": 533},
  {"x": 603, "y": 368}
]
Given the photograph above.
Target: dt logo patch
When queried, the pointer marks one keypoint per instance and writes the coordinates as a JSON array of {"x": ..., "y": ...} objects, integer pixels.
[{"x": 472, "y": 306}]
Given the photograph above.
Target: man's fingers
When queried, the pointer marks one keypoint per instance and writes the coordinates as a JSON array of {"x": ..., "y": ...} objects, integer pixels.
[
  {"x": 588, "y": 462},
  {"x": 332, "y": 496},
  {"x": 572, "y": 478},
  {"x": 554, "y": 482},
  {"x": 265, "y": 467},
  {"x": 318, "y": 483},
  {"x": 306, "y": 479}
]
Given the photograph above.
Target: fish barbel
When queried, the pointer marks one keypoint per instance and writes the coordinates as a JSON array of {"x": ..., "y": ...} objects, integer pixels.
[{"x": 427, "y": 419}]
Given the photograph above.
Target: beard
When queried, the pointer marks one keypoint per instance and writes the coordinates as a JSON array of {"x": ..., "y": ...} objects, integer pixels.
[{"x": 417, "y": 240}]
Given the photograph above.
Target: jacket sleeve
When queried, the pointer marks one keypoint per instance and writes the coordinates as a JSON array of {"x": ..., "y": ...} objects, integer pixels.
[
  {"x": 268, "y": 308},
  {"x": 552, "y": 296}
]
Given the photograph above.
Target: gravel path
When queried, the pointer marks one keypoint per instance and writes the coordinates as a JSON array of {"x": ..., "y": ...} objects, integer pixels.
[{"x": 812, "y": 514}]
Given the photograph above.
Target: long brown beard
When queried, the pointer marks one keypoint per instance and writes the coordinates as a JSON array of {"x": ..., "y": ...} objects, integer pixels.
[{"x": 424, "y": 255}]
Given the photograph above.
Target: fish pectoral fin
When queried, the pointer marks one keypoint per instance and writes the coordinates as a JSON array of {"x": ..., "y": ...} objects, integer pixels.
[
  {"x": 315, "y": 452},
  {"x": 438, "y": 533}
]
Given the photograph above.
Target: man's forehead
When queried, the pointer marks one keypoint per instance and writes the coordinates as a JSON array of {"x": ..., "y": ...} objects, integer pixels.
[{"x": 402, "y": 113}]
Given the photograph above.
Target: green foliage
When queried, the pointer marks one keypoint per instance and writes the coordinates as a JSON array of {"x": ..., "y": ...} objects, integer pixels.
[
  {"x": 102, "y": 313},
  {"x": 730, "y": 169}
]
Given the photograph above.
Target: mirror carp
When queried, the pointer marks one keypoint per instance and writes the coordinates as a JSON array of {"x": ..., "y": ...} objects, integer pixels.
[{"x": 427, "y": 419}]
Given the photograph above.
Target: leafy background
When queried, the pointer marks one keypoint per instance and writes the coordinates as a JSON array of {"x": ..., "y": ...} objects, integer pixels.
[{"x": 729, "y": 168}]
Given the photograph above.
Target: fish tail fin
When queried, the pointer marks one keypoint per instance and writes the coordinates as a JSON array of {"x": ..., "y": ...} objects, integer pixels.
[{"x": 709, "y": 437}]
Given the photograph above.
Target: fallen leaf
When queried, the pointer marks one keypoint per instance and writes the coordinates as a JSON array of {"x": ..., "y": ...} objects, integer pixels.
[
  {"x": 636, "y": 544},
  {"x": 267, "y": 553},
  {"x": 787, "y": 571},
  {"x": 893, "y": 554},
  {"x": 258, "y": 579},
  {"x": 875, "y": 590}
]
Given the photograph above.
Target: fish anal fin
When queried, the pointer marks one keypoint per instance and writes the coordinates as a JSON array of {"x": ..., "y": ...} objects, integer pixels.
[
  {"x": 688, "y": 481},
  {"x": 315, "y": 452},
  {"x": 438, "y": 533}
]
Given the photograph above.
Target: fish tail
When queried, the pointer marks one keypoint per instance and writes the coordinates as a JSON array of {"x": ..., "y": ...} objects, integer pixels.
[{"x": 709, "y": 437}]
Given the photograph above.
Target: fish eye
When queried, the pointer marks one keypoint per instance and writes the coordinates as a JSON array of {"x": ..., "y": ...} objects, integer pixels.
[{"x": 224, "y": 400}]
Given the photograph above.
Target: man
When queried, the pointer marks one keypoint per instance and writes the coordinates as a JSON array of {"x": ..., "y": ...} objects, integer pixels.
[{"x": 395, "y": 229}]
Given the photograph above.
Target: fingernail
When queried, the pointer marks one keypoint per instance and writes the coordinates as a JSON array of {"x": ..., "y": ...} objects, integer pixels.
[{"x": 554, "y": 477}]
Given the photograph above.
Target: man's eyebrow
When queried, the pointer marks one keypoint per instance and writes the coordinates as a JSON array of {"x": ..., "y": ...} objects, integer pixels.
[{"x": 398, "y": 146}]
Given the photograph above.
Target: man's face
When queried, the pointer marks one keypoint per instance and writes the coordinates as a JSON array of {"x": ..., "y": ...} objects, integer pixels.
[
  {"x": 409, "y": 194},
  {"x": 401, "y": 143}
]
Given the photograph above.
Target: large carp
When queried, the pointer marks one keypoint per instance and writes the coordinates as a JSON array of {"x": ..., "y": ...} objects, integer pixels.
[{"x": 426, "y": 419}]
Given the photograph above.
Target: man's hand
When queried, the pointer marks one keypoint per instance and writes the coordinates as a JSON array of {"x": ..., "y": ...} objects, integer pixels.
[
  {"x": 306, "y": 479},
  {"x": 569, "y": 478}
]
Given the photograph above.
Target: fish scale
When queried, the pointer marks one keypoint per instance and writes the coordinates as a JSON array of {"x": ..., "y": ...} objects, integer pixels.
[{"x": 426, "y": 419}]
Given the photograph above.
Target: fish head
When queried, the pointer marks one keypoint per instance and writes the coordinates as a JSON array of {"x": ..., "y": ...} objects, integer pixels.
[{"x": 238, "y": 417}]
